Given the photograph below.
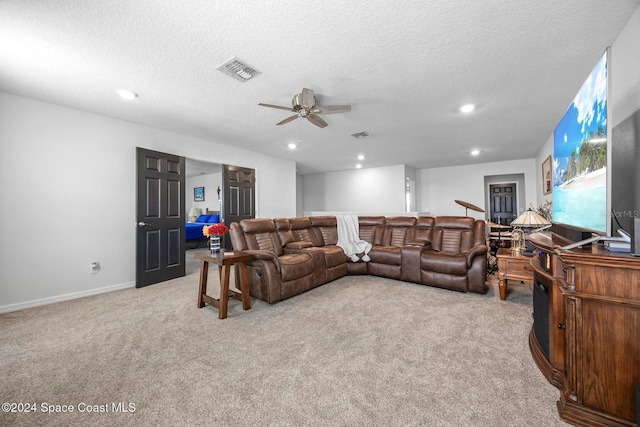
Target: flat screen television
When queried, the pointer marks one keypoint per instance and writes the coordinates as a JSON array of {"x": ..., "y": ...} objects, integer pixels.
[{"x": 582, "y": 157}]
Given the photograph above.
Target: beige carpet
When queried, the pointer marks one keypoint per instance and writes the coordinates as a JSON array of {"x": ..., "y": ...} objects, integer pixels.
[{"x": 359, "y": 351}]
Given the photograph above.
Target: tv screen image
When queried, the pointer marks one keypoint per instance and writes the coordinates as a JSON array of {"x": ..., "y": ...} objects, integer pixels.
[{"x": 580, "y": 156}]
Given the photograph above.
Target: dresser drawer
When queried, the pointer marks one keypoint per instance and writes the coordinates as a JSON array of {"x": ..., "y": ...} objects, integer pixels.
[{"x": 519, "y": 267}]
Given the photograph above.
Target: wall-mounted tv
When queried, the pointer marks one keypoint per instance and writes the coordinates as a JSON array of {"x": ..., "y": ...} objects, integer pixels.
[{"x": 580, "y": 157}]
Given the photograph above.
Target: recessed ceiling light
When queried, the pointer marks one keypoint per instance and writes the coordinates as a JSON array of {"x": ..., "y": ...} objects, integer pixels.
[
  {"x": 358, "y": 166},
  {"x": 127, "y": 94},
  {"x": 467, "y": 108},
  {"x": 360, "y": 156},
  {"x": 292, "y": 146},
  {"x": 475, "y": 152}
]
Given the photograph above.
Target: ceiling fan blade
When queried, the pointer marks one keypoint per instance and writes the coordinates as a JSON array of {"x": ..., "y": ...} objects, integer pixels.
[
  {"x": 288, "y": 119},
  {"x": 307, "y": 99},
  {"x": 317, "y": 120},
  {"x": 332, "y": 109},
  {"x": 275, "y": 106}
]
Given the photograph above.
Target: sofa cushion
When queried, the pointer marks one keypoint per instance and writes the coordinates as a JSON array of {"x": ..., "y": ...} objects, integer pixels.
[
  {"x": 334, "y": 255},
  {"x": 385, "y": 255},
  {"x": 326, "y": 230},
  {"x": 453, "y": 234},
  {"x": 444, "y": 262},
  {"x": 260, "y": 234},
  {"x": 283, "y": 228},
  {"x": 294, "y": 266},
  {"x": 423, "y": 232},
  {"x": 301, "y": 229},
  {"x": 371, "y": 229},
  {"x": 397, "y": 230}
]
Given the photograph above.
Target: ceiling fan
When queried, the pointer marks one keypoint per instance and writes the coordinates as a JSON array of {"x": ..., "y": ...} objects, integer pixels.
[{"x": 304, "y": 105}]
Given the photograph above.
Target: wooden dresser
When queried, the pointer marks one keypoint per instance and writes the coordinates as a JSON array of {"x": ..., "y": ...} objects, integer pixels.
[{"x": 592, "y": 351}]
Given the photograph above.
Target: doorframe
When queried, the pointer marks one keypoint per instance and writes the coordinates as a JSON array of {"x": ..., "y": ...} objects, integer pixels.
[
  {"x": 213, "y": 162},
  {"x": 515, "y": 178}
]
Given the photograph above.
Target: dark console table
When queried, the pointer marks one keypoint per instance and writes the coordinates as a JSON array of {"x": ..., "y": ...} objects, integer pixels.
[{"x": 586, "y": 333}]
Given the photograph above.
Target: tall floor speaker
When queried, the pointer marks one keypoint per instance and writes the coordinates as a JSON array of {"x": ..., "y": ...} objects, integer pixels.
[{"x": 635, "y": 239}]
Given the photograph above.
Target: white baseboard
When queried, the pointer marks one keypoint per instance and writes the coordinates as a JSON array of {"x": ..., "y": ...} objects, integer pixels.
[{"x": 66, "y": 297}]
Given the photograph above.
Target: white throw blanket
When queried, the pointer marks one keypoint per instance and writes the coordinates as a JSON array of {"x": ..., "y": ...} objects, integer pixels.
[{"x": 349, "y": 238}]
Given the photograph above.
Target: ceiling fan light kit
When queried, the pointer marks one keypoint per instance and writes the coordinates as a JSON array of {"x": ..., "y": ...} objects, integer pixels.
[{"x": 304, "y": 105}]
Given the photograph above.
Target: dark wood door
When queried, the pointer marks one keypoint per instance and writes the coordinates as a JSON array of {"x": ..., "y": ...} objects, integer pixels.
[
  {"x": 503, "y": 203},
  {"x": 238, "y": 196},
  {"x": 160, "y": 238}
]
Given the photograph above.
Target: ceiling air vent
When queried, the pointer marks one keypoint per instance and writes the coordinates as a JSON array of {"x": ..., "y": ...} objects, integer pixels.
[
  {"x": 238, "y": 70},
  {"x": 359, "y": 135}
]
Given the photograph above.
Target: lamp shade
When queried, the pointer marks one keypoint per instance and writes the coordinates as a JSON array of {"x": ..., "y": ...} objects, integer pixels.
[
  {"x": 530, "y": 218},
  {"x": 194, "y": 213}
]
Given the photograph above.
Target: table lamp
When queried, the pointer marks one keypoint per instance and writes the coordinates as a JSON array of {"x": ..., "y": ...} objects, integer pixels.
[
  {"x": 527, "y": 219},
  {"x": 194, "y": 213}
]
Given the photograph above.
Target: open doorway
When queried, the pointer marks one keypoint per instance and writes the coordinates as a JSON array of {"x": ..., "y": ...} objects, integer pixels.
[
  {"x": 202, "y": 196},
  {"x": 203, "y": 179},
  {"x": 226, "y": 193}
]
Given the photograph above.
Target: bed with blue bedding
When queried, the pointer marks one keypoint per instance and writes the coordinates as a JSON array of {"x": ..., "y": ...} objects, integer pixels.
[{"x": 193, "y": 231}]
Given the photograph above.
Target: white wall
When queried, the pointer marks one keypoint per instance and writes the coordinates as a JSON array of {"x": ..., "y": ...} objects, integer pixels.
[
  {"x": 624, "y": 92},
  {"x": 67, "y": 185},
  {"x": 383, "y": 189},
  {"x": 546, "y": 150},
  {"x": 362, "y": 190},
  {"x": 438, "y": 188},
  {"x": 625, "y": 71}
]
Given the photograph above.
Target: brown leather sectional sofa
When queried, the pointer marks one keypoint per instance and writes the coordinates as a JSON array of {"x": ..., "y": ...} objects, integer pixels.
[{"x": 293, "y": 255}]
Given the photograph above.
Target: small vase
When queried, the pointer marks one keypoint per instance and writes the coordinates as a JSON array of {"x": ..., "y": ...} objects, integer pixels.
[{"x": 214, "y": 243}]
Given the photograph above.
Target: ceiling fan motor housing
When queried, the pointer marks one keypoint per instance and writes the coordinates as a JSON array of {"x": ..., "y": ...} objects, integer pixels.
[{"x": 297, "y": 102}]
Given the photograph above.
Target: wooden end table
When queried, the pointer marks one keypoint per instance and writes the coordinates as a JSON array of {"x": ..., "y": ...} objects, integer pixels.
[
  {"x": 224, "y": 259},
  {"x": 512, "y": 266}
]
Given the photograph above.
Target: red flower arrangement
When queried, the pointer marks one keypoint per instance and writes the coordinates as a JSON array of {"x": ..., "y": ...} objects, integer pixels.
[{"x": 217, "y": 229}]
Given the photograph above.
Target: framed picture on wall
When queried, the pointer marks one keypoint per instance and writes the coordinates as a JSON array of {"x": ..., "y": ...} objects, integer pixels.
[
  {"x": 547, "y": 184},
  {"x": 198, "y": 194}
]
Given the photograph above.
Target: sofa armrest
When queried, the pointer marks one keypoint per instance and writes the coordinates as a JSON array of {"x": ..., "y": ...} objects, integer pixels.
[
  {"x": 299, "y": 245},
  {"x": 264, "y": 255},
  {"x": 476, "y": 251},
  {"x": 424, "y": 243}
]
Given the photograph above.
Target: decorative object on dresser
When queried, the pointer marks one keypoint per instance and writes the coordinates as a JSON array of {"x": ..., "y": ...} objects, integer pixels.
[
  {"x": 585, "y": 333},
  {"x": 214, "y": 232},
  {"x": 527, "y": 220}
]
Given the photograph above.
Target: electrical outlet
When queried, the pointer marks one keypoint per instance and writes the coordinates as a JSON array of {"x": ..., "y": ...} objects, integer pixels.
[{"x": 94, "y": 266}]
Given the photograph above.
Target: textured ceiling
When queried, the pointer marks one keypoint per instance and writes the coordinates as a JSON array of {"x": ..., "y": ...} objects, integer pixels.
[{"x": 404, "y": 66}]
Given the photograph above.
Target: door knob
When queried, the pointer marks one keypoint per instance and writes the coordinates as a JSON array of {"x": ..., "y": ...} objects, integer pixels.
[{"x": 142, "y": 224}]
